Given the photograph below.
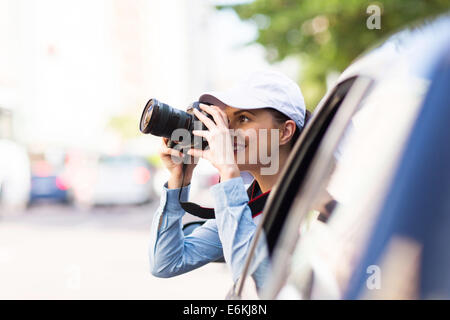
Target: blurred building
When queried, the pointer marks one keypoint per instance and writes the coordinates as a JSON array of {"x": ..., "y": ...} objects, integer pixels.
[{"x": 67, "y": 66}]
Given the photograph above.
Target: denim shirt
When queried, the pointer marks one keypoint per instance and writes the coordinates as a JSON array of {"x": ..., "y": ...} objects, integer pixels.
[{"x": 229, "y": 235}]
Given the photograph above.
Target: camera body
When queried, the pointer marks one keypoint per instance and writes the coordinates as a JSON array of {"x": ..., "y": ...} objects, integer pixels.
[{"x": 162, "y": 120}]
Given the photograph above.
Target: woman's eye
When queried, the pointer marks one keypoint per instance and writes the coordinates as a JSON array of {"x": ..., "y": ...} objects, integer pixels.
[{"x": 243, "y": 118}]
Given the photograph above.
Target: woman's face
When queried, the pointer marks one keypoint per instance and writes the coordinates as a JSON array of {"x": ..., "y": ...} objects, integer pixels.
[{"x": 250, "y": 138}]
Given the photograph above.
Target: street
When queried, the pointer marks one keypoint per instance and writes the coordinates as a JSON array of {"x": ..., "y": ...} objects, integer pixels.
[{"x": 60, "y": 252}]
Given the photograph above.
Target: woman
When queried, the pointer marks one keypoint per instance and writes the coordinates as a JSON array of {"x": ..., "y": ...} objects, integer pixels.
[{"x": 265, "y": 114}]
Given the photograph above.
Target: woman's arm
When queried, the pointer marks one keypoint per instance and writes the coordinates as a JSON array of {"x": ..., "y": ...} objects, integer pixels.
[
  {"x": 236, "y": 229},
  {"x": 171, "y": 253},
  {"x": 233, "y": 215}
]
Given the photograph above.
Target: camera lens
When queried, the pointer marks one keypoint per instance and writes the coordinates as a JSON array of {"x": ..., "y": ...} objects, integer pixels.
[
  {"x": 161, "y": 119},
  {"x": 146, "y": 116}
]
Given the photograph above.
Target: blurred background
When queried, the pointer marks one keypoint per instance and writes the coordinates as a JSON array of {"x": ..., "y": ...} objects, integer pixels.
[{"x": 78, "y": 182}]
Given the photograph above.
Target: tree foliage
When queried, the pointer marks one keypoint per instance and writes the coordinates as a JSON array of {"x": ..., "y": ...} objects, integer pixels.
[{"x": 327, "y": 35}]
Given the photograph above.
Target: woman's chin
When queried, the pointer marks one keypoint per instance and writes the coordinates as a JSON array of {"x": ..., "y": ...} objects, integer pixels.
[
  {"x": 243, "y": 165},
  {"x": 240, "y": 157}
]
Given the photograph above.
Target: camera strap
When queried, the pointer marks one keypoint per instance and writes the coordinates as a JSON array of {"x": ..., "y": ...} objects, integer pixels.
[{"x": 256, "y": 203}]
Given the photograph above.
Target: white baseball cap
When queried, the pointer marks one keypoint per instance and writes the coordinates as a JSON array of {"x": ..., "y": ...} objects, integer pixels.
[{"x": 263, "y": 89}]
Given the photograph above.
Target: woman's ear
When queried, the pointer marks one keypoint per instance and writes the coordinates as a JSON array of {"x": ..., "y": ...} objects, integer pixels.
[{"x": 287, "y": 131}]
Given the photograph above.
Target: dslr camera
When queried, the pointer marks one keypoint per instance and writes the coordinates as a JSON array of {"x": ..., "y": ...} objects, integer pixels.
[{"x": 162, "y": 120}]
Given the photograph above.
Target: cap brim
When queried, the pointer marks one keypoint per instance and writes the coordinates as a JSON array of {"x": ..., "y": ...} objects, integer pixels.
[
  {"x": 239, "y": 101},
  {"x": 235, "y": 99},
  {"x": 210, "y": 98}
]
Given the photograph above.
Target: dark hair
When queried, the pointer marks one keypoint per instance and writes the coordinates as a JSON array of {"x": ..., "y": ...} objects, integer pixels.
[{"x": 280, "y": 118}]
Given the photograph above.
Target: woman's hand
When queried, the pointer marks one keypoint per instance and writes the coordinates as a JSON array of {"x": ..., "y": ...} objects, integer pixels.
[
  {"x": 220, "y": 141},
  {"x": 173, "y": 161}
]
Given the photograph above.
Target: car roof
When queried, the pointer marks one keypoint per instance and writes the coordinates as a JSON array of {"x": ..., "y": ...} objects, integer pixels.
[{"x": 416, "y": 47}]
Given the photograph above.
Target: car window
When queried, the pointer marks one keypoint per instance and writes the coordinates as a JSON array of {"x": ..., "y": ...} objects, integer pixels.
[
  {"x": 278, "y": 205},
  {"x": 327, "y": 229}
]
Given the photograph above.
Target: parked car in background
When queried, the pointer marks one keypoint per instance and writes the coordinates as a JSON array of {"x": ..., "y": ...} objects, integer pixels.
[
  {"x": 122, "y": 180},
  {"x": 349, "y": 208},
  {"x": 49, "y": 182}
]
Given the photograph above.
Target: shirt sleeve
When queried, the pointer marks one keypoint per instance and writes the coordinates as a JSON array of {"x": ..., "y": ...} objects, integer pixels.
[
  {"x": 236, "y": 229},
  {"x": 170, "y": 252}
]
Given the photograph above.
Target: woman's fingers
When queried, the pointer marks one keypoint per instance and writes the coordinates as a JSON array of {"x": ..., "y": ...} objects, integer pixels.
[
  {"x": 219, "y": 116},
  {"x": 173, "y": 152},
  {"x": 165, "y": 150},
  {"x": 206, "y": 121},
  {"x": 163, "y": 146},
  {"x": 202, "y": 133},
  {"x": 197, "y": 153}
]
